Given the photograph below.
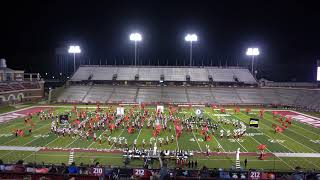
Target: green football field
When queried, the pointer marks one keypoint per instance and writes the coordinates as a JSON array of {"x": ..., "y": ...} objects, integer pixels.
[{"x": 298, "y": 139}]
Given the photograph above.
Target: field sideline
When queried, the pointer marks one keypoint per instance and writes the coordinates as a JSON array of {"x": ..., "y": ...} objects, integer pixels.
[{"x": 298, "y": 138}]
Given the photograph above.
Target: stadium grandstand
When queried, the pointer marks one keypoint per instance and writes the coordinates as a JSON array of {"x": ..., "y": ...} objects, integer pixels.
[
  {"x": 16, "y": 86},
  {"x": 184, "y": 85},
  {"x": 157, "y": 90}
]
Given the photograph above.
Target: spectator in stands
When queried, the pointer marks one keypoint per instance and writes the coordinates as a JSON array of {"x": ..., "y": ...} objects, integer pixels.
[
  {"x": 164, "y": 172},
  {"x": 63, "y": 169},
  {"x": 234, "y": 176},
  {"x": 73, "y": 169},
  {"x": 19, "y": 167},
  {"x": 215, "y": 172},
  {"x": 83, "y": 169},
  {"x": 9, "y": 168},
  {"x": 224, "y": 175},
  {"x": 204, "y": 172},
  {"x": 30, "y": 168},
  {"x": 53, "y": 169},
  {"x": 42, "y": 170},
  {"x": 245, "y": 162},
  {"x": 1, "y": 166},
  {"x": 108, "y": 171}
]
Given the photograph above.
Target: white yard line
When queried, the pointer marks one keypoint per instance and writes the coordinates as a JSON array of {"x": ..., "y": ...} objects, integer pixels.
[
  {"x": 306, "y": 130},
  {"x": 217, "y": 140},
  {"x": 15, "y": 124},
  {"x": 196, "y": 141},
  {"x": 31, "y": 134},
  {"x": 17, "y": 110},
  {"x": 271, "y": 138},
  {"x": 22, "y": 145},
  {"x": 269, "y": 150},
  {"x": 288, "y": 137},
  {"x": 118, "y": 137},
  {"x": 225, "y": 130},
  {"x": 219, "y": 143},
  {"x": 52, "y": 141},
  {"x": 176, "y": 138},
  {"x": 97, "y": 138},
  {"x": 29, "y": 155},
  {"x": 139, "y": 134},
  {"x": 71, "y": 142},
  {"x": 288, "y": 129}
]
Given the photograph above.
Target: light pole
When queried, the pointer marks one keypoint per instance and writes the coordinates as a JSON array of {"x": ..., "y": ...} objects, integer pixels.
[
  {"x": 190, "y": 38},
  {"x": 74, "y": 50},
  {"x": 136, "y": 37},
  {"x": 252, "y": 52}
]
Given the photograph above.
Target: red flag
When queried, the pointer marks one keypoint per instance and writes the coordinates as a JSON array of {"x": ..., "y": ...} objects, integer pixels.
[
  {"x": 204, "y": 130},
  {"x": 279, "y": 129},
  {"x": 178, "y": 130},
  {"x": 130, "y": 130},
  {"x": 111, "y": 126},
  {"x": 20, "y": 132},
  {"x": 262, "y": 147}
]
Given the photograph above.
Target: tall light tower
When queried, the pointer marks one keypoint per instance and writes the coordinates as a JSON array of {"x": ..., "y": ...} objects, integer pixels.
[
  {"x": 252, "y": 52},
  {"x": 74, "y": 50},
  {"x": 136, "y": 37},
  {"x": 190, "y": 38}
]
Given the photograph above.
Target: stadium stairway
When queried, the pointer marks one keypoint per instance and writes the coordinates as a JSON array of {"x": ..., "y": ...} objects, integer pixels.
[
  {"x": 113, "y": 90},
  {"x": 84, "y": 97},
  {"x": 211, "y": 93},
  {"x": 137, "y": 93},
  {"x": 238, "y": 96},
  {"x": 187, "y": 94},
  {"x": 238, "y": 164},
  {"x": 71, "y": 157}
]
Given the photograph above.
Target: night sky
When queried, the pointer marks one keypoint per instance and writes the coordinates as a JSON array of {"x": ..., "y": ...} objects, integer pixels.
[{"x": 287, "y": 33}]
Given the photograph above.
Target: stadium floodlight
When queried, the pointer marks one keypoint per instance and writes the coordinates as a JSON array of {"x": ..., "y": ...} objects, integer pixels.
[
  {"x": 74, "y": 50},
  {"x": 191, "y": 38},
  {"x": 252, "y": 52},
  {"x": 136, "y": 37}
]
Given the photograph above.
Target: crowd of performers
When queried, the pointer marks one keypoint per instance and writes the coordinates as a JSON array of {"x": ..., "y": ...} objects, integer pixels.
[
  {"x": 29, "y": 125},
  {"x": 88, "y": 123},
  {"x": 84, "y": 124}
]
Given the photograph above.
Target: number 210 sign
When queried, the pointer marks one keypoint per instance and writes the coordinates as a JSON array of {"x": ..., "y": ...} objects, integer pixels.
[{"x": 97, "y": 171}]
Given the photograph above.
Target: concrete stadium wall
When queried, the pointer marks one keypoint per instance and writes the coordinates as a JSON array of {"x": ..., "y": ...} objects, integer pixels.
[{"x": 14, "y": 97}]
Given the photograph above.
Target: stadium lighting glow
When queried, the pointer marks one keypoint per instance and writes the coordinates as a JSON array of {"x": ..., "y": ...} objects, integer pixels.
[
  {"x": 252, "y": 52},
  {"x": 318, "y": 74},
  {"x": 136, "y": 37},
  {"x": 191, "y": 38},
  {"x": 74, "y": 50}
]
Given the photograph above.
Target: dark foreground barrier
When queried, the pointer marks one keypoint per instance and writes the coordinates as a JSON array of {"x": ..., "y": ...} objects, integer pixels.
[{"x": 41, "y": 172}]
